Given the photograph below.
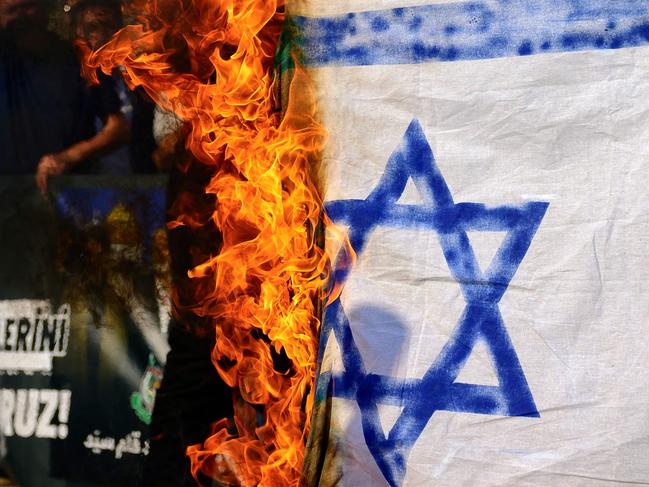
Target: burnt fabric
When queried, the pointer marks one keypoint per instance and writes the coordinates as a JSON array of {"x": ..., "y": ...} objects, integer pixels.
[{"x": 192, "y": 396}]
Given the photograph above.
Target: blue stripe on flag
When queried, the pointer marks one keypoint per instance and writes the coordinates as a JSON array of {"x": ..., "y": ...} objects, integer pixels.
[{"x": 473, "y": 30}]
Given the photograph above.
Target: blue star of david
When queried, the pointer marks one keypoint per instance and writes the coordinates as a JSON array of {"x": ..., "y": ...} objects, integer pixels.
[{"x": 480, "y": 321}]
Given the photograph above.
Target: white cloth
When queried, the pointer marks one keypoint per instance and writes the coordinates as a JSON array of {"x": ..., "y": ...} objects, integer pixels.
[{"x": 565, "y": 131}]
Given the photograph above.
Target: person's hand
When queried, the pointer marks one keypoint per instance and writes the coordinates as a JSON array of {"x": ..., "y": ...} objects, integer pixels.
[{"x": 50, "y": 165}]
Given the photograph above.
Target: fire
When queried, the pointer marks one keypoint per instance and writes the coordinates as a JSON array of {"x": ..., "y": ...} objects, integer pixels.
[{"x": 268, "y": 278}]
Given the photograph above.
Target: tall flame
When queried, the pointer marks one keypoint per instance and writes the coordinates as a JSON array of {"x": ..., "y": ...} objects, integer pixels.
[{"x": 266, "y": 281}]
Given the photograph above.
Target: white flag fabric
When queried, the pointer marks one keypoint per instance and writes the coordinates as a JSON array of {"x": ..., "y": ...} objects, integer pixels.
[{"x": 490, "y": 161}]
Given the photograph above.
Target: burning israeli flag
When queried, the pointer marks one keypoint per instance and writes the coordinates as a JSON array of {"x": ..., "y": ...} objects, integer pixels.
[{"x": 488, "y": 160}]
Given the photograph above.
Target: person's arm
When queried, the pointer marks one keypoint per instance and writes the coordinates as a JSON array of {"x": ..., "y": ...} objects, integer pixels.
[{"x": 113, "y": 135}]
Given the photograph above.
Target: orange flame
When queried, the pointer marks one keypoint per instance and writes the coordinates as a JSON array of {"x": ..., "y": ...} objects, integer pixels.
[{"x": 267, "y": 281}]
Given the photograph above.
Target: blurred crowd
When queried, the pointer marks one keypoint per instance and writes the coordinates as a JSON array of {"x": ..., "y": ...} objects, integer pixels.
[{"x": 51, "y": 120}]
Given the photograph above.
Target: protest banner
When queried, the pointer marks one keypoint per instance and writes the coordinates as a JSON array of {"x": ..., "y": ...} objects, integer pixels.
[{"x": 84, "y": 311}]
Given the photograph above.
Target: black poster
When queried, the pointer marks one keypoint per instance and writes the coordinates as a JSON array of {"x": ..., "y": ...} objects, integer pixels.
[{"x": 84, "y": 311}]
